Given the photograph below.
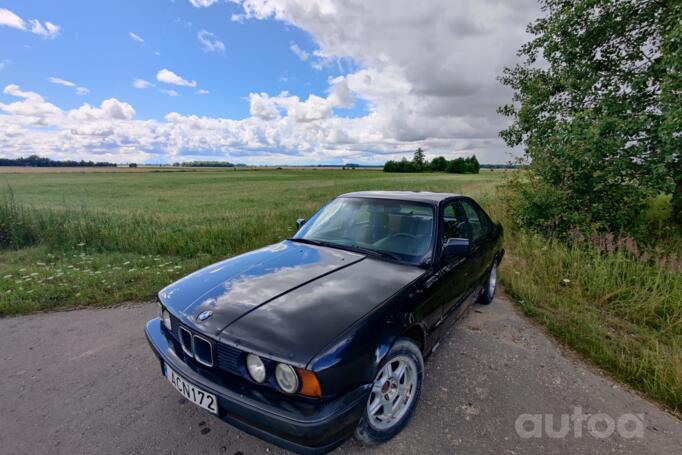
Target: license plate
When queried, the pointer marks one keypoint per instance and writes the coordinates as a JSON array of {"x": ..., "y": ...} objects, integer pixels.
[{"x": 194, "y": 394}]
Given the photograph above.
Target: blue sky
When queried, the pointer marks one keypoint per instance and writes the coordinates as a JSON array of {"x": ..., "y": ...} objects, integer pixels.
[
  {"x": 95, "y": 50},
  {"x": 264, "y": 81}
]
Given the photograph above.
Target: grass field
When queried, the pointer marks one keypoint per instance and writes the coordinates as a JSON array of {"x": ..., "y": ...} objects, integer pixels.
[
  {"x": 83, "y": 239},
  {"x": 100, "y": 238}
]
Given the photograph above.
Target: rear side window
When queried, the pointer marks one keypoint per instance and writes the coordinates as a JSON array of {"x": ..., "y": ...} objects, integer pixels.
[{"x": 477, "y": 221}]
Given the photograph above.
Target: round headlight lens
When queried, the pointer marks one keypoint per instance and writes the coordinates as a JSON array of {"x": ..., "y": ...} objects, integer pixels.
[
  {"x": 255, "y": 367},
  {"x": 287, "y": 379},
  {"x": 165, "y": 317}
]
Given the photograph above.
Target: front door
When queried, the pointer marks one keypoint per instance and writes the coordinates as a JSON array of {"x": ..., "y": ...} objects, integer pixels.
[
  {"x": 458, "y": 273},
  {"x": 481, "y": 237}
]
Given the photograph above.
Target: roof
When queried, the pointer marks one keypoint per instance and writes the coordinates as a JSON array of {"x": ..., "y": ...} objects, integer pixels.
[{"x": 420, "y": 196}]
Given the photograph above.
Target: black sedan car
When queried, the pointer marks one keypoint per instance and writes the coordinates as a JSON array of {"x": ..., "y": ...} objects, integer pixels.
[{"x": 309, "y": 341}]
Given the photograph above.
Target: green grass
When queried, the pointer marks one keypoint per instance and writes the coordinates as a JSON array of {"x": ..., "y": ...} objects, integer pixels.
[
  {"x": 93, "y": 239},
  {"x": 623, "y": 314},
  {"x": 33, "y": 279}
]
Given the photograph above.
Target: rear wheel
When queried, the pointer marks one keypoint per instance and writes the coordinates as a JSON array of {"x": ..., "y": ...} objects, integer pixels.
[
  {"x": 490, "y": 286},
  {"x": 394, "y": 394}
]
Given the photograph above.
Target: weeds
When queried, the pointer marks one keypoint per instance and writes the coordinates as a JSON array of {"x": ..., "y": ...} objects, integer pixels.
[{"x": 606, "y": 298}]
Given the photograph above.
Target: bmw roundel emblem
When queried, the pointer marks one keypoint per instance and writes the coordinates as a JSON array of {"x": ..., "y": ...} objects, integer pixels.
[{"x": 204, "y": 315}]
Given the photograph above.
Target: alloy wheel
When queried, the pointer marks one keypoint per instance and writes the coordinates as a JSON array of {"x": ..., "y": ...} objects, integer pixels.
[
  {"x": 492, "y": 281},
  {"x": 392, "y": 392}
]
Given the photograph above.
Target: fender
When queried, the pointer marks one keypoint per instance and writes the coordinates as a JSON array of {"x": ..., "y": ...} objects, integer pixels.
[{"x": 358, "y": 353}]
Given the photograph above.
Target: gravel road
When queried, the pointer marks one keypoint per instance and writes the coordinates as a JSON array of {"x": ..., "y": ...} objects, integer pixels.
[{"x": 86, "y": 382}]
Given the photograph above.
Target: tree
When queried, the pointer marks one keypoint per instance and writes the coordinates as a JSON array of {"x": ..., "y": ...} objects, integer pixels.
[
  {"x": 671, "y": 90},
  {"x": 600, "y": 117},
  {"x": 419, "y": 159},
  {"x": 456, "y": 166},
  {"x": 439, "y": 164},
  {"x": 400, "y": 166},
  {"x": 471, "y": 165}
]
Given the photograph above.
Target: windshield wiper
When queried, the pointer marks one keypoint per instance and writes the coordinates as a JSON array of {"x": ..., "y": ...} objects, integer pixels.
[
  {"x": 381, "y": 254},
  {"x": 352, "y": 248},
  {"x": 308, "y": 241}
]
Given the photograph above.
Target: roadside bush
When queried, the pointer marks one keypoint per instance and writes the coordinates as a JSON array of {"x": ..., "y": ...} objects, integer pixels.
[{"x": 555, "y": 210}]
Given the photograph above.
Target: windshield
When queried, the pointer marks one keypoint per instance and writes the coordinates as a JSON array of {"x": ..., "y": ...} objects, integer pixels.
[{"x": 402, "y": 230}]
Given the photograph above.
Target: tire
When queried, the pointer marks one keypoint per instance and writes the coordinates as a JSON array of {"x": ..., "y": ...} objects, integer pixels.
[
  {"x": 406, "y": 389},
  {"x": 490, "y": 286}
]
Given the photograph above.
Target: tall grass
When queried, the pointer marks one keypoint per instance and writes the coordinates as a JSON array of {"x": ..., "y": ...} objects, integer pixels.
[
  {"x": 16, "y": 224},
  {"x": 620, "y": 309},
  {"x": 65, "y": 229}
]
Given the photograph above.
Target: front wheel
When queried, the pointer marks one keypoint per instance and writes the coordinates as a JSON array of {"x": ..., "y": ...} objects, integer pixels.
[
  {"x": 490, "y": 286},
  {"x": 394, "y": 395}
]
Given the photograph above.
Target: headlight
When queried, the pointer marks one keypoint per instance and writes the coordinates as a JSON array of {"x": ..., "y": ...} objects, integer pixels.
[
  {"x": 287, "y": 379},
  {"x": 165, "y": 317},
  {"x": 255, "y": 367}
]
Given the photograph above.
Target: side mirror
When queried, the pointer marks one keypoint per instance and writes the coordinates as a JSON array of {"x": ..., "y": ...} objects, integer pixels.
[
  {"x": 300, "y": 222},
  {"x": 455, "y": 248}
]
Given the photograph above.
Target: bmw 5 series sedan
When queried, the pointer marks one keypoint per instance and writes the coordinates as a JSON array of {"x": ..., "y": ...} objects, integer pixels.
[{"x": 322, "y": 336}]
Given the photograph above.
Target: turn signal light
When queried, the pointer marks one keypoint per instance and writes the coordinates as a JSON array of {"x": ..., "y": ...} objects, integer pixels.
[{"x": 310, "y": 386}]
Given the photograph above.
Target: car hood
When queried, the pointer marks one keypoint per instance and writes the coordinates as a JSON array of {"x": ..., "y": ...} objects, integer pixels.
[{"x": 285, "y": 301}]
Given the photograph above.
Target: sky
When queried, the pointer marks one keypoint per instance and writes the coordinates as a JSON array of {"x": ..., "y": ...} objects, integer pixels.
[{"x": 257, "y": 81}]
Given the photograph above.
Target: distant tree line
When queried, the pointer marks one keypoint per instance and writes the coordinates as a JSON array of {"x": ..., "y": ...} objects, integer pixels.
[
  {"x": 419, "y": 163},
  {"x": 208, "y": 164},
  {"x": 37, "y": 161}
]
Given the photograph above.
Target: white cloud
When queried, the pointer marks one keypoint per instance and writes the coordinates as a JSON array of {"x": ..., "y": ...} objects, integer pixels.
[
  {"x": 314, "y": 108},
  {"x": 59, "y": 81},
  {"x": 111, "y": 109},
  {"x": 303, "y": 132},
  {"x": 9, "y": 19},
  {"x": 81, "y": 91},
  {"x": 300, "y": 53},
  {"x": 142, "y": 84},
  {"x": 263, "y": 107},
  {"x": 48, "y": 30},
  {"x": 136, "y": 37},
  {"x": 168, "y": 92},
  {"x": 202, "y": 3},
  {"x": 427, "y": 71},
  {"x": 32, "y": 109},
  {"x": 168, "y": 77},
  {"x": 210, "y": 42},
  {"x": 201, "y": 92},
  {"x": 5, "y": 63}
]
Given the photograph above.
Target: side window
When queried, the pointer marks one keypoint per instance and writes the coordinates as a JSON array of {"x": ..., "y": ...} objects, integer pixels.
[
  {"x": 478, "y": 222},
  {"x": 452, "y": 222}
]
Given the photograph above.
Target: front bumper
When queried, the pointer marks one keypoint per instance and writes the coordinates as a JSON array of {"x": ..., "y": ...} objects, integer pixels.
[{"x": 298, "y": 424}]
